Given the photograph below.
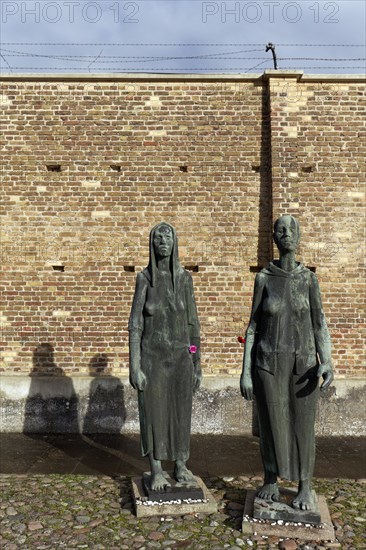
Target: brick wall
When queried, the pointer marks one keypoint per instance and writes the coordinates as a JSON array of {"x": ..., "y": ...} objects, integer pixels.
[{"x": 91, "y": 166}]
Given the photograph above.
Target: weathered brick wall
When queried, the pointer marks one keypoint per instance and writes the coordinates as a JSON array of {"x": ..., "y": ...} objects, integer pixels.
[
  {"x": 194, "y": 153},
  {"x": 188, "y": 153}
]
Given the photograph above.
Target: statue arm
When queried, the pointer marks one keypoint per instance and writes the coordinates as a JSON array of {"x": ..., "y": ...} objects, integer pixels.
[
  {"x": 135, "y": 327},
  {"x": 246, "y": 381},
  {"x": 321, "y": 334},
  {"x": 194, "y": 333}
]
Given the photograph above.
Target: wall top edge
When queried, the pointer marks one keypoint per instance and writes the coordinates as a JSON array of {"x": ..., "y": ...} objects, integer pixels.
[
  {"x": 115, "y": 77},
  {"x": 301, "y": 76},
  {"x": 333, "y": 78},
  {"x": 181, "y": 77}
]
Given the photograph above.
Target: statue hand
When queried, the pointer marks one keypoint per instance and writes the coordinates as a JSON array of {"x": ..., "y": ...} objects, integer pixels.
[
  {"x": 246, "y": 387},
  {"x": 197, "y": 376},
  {"x": 325, "y": 370},
  {"x": 138, "y": 380}
]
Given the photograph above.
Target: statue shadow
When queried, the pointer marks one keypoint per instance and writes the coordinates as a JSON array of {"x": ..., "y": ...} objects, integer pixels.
[
  {"x": 51, "y": 411},
  {"x": 106, "y": 412},
  {"x": 52, "y": 404},
  {"x": 60, "y": 442},
  {"x": 110, "y": 451}
]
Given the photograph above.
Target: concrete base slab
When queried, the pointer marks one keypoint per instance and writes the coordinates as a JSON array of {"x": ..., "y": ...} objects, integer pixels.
[
  {"x": 283, "y": 510},
  {"x": 147, "y": 508},
  {"x": 286, "y": 529}
]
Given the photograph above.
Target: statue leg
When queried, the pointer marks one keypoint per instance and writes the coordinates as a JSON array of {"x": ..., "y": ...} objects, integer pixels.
[
  {"x": 305, "y": 403},
  {"x": 158, "y": 481},
  {"x": 269, "y": 490},
  {"x": 181, "y": 472},
  {"x": 266, "y": 390},
  {"x": 303, "y": 499}
]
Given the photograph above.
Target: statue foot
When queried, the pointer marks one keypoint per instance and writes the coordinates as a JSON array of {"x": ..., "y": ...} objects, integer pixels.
[
  {"x": 303, "y": 500},
  {"x": 181, "y": 473},
  {"x": 269, "y": 491},
  {"x": 159, "y": 482}
]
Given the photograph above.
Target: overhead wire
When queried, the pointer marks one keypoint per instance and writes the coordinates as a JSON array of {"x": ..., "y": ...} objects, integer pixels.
[
  {"x": 140, "y": 62},
  {"x": 171, "y": 44},
  {"x": 180, "y": 69},
  {"x": 6, "y": 61},
  {"x": 71, "y": 57},
  {"x": 14, "y": 53}
]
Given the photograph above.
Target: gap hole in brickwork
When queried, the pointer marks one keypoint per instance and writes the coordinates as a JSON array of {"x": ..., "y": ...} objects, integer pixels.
[
  {"x": 193, "y": 268},
  {"x": 255, "y": 268},
  {"x": 312, "y": 268},
  {"x": 54, "y": 167},
  {"x": 116, "y": 167},
  {"x": 256, "y": 168},
  {"x": 307, "y": 169},
  {"x": 60, "y": 268},
  {"x": 129, "y": 268},
  {"x": 183, "y": 168}
]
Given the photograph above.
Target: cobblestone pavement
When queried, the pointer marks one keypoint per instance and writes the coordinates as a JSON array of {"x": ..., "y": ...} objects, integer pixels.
[{"x": 96, "y": 512}]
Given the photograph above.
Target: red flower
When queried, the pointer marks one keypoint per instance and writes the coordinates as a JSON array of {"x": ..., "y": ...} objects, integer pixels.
[
  {"x": 192, "y": 349},
  {"x": 241, "y": 339}
]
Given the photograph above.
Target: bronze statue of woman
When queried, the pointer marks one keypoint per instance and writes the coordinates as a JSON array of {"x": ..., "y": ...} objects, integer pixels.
[
  {"x": 164, "y": 356},
  {"x": 287, "y": 350}
]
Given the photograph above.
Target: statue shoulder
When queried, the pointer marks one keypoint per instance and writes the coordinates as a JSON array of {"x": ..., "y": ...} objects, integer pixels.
[
  {"x": 260, "y": 281},
  {"x": 143, "y": 277},
  {"x": 186, "y": 274},
  {"x": 262, "y": 275},
  {"x": 186, "y": 277},
  {"x": 313, "y": 279}
]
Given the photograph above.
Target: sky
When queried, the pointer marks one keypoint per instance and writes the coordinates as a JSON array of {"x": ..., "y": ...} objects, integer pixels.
[{"x": 182, "y": 36}]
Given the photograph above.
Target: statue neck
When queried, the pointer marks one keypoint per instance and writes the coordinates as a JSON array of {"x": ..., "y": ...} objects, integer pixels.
[
  {"x": 163, "y": 264},
  {"x": 287, "y": 260}
]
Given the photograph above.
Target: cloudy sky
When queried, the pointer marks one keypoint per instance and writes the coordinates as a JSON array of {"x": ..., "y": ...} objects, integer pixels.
[{"x": 182, "y": 36}]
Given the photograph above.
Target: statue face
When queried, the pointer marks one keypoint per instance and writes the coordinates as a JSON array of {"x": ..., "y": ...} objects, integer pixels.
[
  {"x": 163, "y": 241},
  {"x": 286, "y": 235}
]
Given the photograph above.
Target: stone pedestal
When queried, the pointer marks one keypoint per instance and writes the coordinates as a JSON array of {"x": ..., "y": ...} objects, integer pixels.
[
  {"x": 283, "y": 510},
  {"x": 303, "y": 530},
  {"x": 179, "y": 499},
  {"x": 178, "y": 490}
]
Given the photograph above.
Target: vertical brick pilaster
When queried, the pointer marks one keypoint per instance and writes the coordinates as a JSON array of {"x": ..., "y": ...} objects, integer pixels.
[{"x": 285, "y": 104}]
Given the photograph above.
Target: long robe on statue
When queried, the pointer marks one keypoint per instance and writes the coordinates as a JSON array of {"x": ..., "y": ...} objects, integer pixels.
[{"x": 164, "y": 314}]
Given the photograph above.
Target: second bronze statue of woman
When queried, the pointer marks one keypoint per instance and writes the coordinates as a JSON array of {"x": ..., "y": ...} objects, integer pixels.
[
  {"x": 165, "y": 356},
  {"x": 287, "y": 350}
]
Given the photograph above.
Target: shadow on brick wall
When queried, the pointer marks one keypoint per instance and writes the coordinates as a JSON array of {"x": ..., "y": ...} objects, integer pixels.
[
  {"x": 54, "y": 406},
  {"x": 52, "y": 403},
  {"x": 106, "y": 412},
  {"x": 74, "y": 431}
]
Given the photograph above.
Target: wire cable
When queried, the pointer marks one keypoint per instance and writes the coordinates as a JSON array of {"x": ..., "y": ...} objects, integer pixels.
[
  {"x": 71, "y": 57},
  {"x": 138, "y": 63},
  {"x": 173, "y": 44},
  {"x": 172, "y": 69}
]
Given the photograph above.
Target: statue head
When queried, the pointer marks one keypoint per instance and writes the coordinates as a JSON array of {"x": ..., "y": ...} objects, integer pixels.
[
  {"x": 163, "y": 244},
  {"x": 286, "y": 233},
  {"x": 163, "y": 241}
]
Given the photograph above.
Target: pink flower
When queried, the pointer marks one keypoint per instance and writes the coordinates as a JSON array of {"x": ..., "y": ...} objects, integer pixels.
[
  {"x": 192, "y": 349},
  {"x": 241, "y": 339}
]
